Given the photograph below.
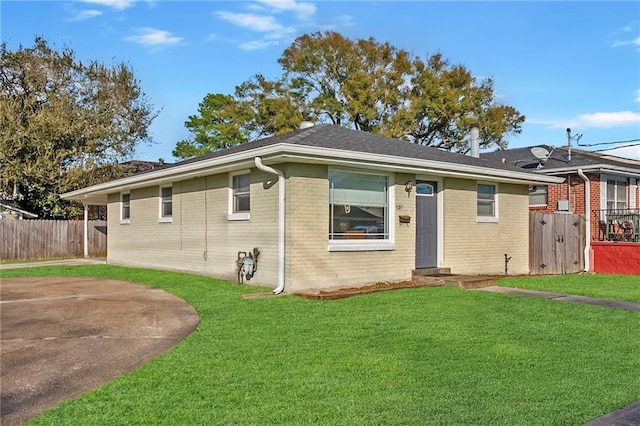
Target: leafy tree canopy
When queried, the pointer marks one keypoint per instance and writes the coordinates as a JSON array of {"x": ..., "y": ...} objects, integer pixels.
[
  {"x": 65, "y": 124},
  {"x": 214, "y": 128},
  {"x": 369, "y": 86}
]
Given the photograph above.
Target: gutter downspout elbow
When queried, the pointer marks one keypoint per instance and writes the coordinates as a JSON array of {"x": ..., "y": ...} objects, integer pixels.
[
  {"x": 587, "y": 215},
  {"x": 281, "y": 221}
]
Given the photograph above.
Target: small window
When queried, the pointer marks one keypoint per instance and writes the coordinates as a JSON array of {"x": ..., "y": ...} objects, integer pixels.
[
  {"x": 538, "y": 195},
  {"x": 486, "y": 202},
  {"x": 239, "y": 196},
  {"x": 166, "y": 203},
  {"x": 125, "y": 208},
  {"x": 616, "y": 195}
]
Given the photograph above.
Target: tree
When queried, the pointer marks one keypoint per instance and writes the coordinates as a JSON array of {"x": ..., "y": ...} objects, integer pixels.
[
  {"x": 213, "y": 128},
  {"x": 64, "y": 124},
  {"x": 374, "y": 87}
]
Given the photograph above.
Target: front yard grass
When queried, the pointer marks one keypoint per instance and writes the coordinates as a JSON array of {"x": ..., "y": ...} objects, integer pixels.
[
  {"x": 616, "y": 287},
  {"x": 416, "y": 356}
]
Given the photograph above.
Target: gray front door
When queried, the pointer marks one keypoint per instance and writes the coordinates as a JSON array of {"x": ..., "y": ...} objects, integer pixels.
[{"x": 426, "y": 224}]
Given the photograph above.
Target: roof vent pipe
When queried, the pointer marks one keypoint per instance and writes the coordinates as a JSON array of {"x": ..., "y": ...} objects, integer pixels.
[
  {"x": 306, "y": 124},
  {"x": 475, "y": 140}
]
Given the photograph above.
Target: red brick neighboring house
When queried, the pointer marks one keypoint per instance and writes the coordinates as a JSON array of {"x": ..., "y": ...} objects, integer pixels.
[{"x": 612, "y": 207}]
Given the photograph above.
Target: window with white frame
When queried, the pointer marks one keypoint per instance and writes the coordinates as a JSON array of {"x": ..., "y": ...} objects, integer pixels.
[
  {"x": 486, "y": 202},
  {"x": 617, "y": 194},
  {"x": 239, "y": 196},
  {"x": 166, "y": 204},
  {"x": 358, "y": 206},
  {"x": 125, "y": 207},
  {"x": 538, "y": 195}
]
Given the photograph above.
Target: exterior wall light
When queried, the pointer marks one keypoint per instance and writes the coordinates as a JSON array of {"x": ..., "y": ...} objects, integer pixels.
[{"x": 408, "y": 186}]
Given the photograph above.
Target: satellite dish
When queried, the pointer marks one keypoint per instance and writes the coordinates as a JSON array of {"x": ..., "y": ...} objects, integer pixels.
[{"x": 540, "y": 153}]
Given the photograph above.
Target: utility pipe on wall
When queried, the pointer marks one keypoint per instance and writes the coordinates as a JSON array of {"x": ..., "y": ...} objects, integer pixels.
[
  {"x": 281, "y": 222},
  {"x": 587, "y": 216}
]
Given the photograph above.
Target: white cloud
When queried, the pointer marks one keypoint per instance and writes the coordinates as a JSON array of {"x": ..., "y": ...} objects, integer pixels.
[
  {"x": 260, "y": 23},
  {"x": 634, "y": 42},
  {"x": 116, "y": 4},
  {"x": 595, "y": 120},
  {"x": 626, "y": 152},
  {"x": 637, "y": 99},
  {"x": 609, "y": 119},
  {"x": 303, "y": 10},
  {"x": 81, "y": 15},
  {"x": 151, "y": 37},
  {"x": 256, "y": 44}
]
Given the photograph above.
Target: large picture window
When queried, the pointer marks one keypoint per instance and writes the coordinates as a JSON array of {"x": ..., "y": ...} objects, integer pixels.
[{"x": 358, "y": 206}]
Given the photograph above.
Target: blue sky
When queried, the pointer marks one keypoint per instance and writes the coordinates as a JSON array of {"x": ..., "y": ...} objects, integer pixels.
[{"x": 562, "y": 64}]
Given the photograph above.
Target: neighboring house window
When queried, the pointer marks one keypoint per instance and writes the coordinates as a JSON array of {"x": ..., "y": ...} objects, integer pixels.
[
  {"x": 166, "y": 204},
  {"x": 125, "y": 208},
  {"x": 487, "y": 202},
  {"x": 538, "y": 195},
  {"x": 359, "y": 211},
  {"x": 616, "y": 195},
  {"x": 239, "y": 196}
]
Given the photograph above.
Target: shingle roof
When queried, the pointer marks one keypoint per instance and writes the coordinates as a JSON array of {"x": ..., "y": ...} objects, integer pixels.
[
  {"x": 558, "y": 159},
  {"x": 340, "y": 138}
]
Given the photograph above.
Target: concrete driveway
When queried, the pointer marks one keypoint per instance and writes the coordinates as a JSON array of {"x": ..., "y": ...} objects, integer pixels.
[{"x": 61, "y": 337}]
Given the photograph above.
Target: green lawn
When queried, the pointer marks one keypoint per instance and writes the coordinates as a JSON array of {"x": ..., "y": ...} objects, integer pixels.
[
  {"x": 618, "y": 287},
  {"x": 416, "y": 356}
]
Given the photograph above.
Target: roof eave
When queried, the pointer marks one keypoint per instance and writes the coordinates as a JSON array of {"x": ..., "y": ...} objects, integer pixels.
[{"x": 97, "y": 194}]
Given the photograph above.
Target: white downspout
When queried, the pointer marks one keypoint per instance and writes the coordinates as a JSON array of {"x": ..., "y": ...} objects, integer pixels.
[
  {"x": 86, "y": 231},
  {"x": 587, "y": 215},
  {"x": 281, "y": 222}
]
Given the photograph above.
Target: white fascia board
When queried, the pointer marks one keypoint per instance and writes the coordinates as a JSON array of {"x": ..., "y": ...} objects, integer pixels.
[
  {"x": 411, "y": 165},
  {"x": 600, "y": 168},
  {"x": 244, "y": 159}
]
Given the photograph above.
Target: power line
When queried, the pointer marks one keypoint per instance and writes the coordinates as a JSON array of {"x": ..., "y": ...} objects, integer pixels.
[
  {"x": 609, "y": 143},
  {"x": 622, "y": 146}
]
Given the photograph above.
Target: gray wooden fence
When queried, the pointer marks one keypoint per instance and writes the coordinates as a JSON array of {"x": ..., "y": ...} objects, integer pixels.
[
  {"x": 50, "y": 239},
  {"x": 556, "y": 243}
]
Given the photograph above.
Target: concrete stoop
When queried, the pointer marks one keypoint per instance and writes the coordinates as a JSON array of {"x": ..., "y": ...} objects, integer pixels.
[
  {"x": 470, "y": 282},
  {"x": 461, "y": 281}
]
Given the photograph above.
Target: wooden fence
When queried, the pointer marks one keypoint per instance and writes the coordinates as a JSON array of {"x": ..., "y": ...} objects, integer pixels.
[
  {"x": 556, "y": 243},
  {"x": 50, "y": 239}
]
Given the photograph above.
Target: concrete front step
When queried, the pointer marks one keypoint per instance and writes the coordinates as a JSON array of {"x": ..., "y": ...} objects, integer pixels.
[
  {"x": 430, "y": 272},
  {"x": 470, "y": 282}
]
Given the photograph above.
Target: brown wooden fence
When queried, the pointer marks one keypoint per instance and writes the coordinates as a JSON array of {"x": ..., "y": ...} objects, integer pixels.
[
  {"x": 50, "y": 239},
  {"x": 556, "y": 243}
]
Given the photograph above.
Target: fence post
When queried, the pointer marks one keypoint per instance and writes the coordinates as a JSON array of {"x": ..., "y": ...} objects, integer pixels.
[{"x": 86, "y": 230}]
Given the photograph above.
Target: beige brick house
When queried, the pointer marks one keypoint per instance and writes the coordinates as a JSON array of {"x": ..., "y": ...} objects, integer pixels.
[{"x": 326, "y": 207}]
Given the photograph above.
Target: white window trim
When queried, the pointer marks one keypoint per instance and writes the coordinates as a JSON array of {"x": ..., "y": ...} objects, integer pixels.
[
  {"x": 231, "y": 215},
  {"x": 496, "y": 217},
  {"x": 604, "y": 178},
  {"x": 164, "y": 219},
  {"x": 120, "y": 205},
  {"x": 368, "y": 245}
]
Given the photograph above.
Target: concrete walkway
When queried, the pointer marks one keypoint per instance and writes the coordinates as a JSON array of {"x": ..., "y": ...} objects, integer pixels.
[
  {"x": 625, "y": 416},
  {"x": 617, "y": 304},
  {"x": 70, "y": 262}
]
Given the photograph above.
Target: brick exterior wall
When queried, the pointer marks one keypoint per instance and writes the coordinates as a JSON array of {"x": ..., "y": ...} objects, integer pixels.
[
  {"x": 201, "y": 239},
  {"x": 472, "y": 247}
]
